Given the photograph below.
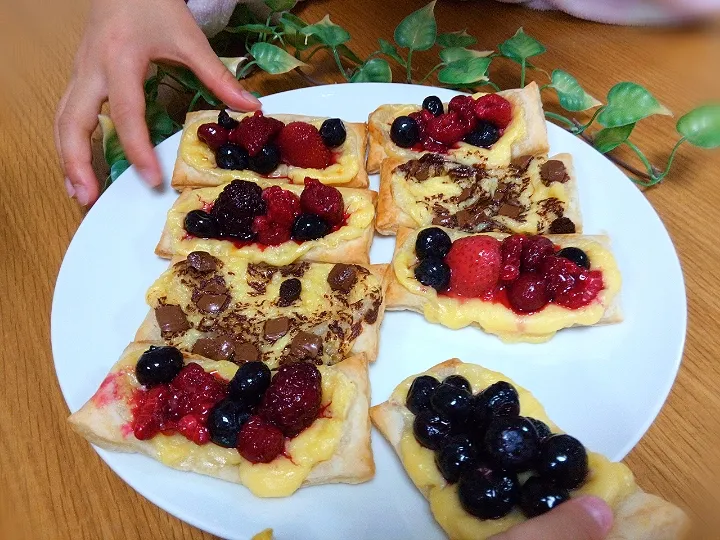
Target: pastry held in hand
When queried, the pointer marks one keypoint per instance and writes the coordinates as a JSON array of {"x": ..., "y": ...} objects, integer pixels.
[{"x": 638, "y": 515}]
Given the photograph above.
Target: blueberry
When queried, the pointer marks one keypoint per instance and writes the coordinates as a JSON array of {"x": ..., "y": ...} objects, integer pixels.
[
  {"x": 451, "y": 402},
  {"x": 484, "y": 136},
  {"x": 158, "y": 365},
  {"x": 249, "y": 383},
  {"x": 404, "y": 131},
  {"x": 512, "y": 442},
  {"x": 538, "y": 496},
  {"x": 563, "y": 460},
  {"x": 543, "y": 430},
  {"x": 434, "y": 273},
  {"x": 499, "y": 399},
  {"x": 488, "y": 493},
  {"x": 456, "y": 457},
  {"x": 231, "y": 156},
  {"x": 333, "y": 132},
  {"x": 225, "y": 421},
  {"x": 431, "y": 430},
  {"x": 421, "y": 389},
  {"x": 266, "y": 160},
  {"x": 309, "y": 227},
  {"x": 227, "y": 121},
  {"x": 432, "y": 242},
  {"x": 459, "y": 381},
  {"x": 576, "y": 255},
  {"x": 434, "y": 105},
  {"x": 201, "y": 224}
]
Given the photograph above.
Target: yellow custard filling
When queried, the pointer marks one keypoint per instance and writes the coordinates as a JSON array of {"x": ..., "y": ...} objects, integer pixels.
[
  {"x": 358, "y": 205},
  {"x": 199, "y": 156},
  {"x": 497, "y": 319},
  {"x": 609, "y": 481},
  {"x": 282, "y": 476}
]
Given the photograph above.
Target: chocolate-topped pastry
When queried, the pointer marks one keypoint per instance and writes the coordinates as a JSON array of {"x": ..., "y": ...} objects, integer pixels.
[
  {"x": 202, "y": 261},
  {"x": 553, "y": 171},
  {"x": 510, "y": 210},
  {"x": 465, "y": 194},
  {"x": 562, "y": 225},
  {"x": 290, "y": 290},
  {"x": 274, "y": 329},
  {"x": 246, "y": 352},
  {"x": 213, "y": 303},
  {"x": 215, "y": 285},
  {"x": 521, "y": 163},
  {"x": 215, "y": 348},
  {"x": 306, "y": 345},
  {"x": 171, "y": 318},
  {"x": 342, "y": 277}
]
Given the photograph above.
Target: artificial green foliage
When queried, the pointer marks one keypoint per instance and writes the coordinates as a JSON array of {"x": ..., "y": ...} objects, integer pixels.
[
  {"x": 456, "y": 39},
  {"x": 571, "y": 95},
  {"x": 701, "y": 126},
  {"x": 418, "y": 31},
  {"x": 608, "y": 139},
  {"x": 628, "y": 103}
]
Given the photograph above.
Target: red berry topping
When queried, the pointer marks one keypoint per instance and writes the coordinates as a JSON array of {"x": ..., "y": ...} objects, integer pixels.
[
  {"x": 324, "y": 201},
  {"x": 214, "y": 135},
  {"x": 495, "y": 109},
  {"x": 149, "y": 412},
  {"x": 512, "y": 247},
  {"x": 292, "y": 401},
  {"x": 422, "y": 117},
  {"x": 447, "y": 128},
  {"x": 528, "y": 293},
  {"x": 434, "y": 146},
  {"x": 259, "y": 441},
  {"x": 194, "y": 428},
  {"x": 588, "y": 286},
  {"x": 302, "y": 146},
  {"x": 283, "y": 206},
  {"x": 463, "y": 106},
  {"x": 255, "y": 131},
  {"x": 535, "y": 250},
  {"x": 270, "y": 233},
  {"x": 561, "y": 275},
  {"x": 474, "y": 265}
]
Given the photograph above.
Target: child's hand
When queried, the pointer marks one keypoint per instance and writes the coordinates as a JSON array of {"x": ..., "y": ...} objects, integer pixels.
[{"x": 121, "y": 38}]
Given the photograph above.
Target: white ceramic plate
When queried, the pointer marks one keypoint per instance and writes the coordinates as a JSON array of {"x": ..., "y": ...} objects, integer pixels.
[{"x": 605, "y": 385}]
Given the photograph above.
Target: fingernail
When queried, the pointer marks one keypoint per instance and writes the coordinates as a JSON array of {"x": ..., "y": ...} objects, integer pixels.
[
  {"x": 249, "y": 97},
  {"x": 69, "y": 188},
  {"x": 150, "y": 177},
  {"x": 81, "y": 195},
  {"x": 598, "y": 510}
]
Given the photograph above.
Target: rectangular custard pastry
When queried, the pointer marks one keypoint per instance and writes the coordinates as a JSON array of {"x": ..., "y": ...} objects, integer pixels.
[
  {"x": 532, "y": 195},
  {"x": 348, "y": 241},
  {"x": 196, "y": 164},
  {"x": 493, "y": 311},
  {"x": 638, "y": 515},
  {"x": 334, "y": 447},
  {"x": 234, "y": 309},
  {"x": 525, "y": 134}
]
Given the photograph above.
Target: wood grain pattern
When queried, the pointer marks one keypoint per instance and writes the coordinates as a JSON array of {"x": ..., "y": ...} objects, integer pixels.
[{"x": 55, "y": 486}]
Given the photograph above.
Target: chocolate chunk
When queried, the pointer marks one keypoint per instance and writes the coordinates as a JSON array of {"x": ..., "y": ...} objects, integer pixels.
[
  {"x": 202, "y": 261},
  {"x": 562, "y": 225},
  {"x": 246, "y": 352},
  {"x": 171, "y": 318},
  {"x": 289, "y": 291},
  {"x": 306, "y": 345},
  {"x": 213, "y": 303},
  {"x": 553, "y": 171},
  {"x": 215, "y": 348},
  {"x": 342, "y": 277},
  {"x": 521, "y": 163},
  {"x": 276, "y": 328},
  {"x": 444, "y": 220},
  {"x": 465, "y": 218},
  {"x": 510, "y": 210},
  {"x": 213, "y": 286},
  {"x": 465, "y": 194}
]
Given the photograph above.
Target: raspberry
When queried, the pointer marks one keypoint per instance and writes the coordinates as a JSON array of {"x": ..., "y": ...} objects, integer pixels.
[
  {"x": 588, "y": 286},
  {"x": 255, "y": 131},
  {"x": 235, "y": 207},
  {"x": 528, "y": 293},
  {"x": 495, "y": 109},
  {"x": 260, "y": 441},
  {"x": 193, "y": 428},
  {"x": 292, "y": 401},
  {"x": 464, "y": 106},
  {"x": 446, "y": 128},
  {"x": 323, "y": 201},
  {"x": 535, "y": 250},
  {"x": 302, "y": 146},
  {"x": 214, "y": 135},
  {"x": 283, "y": 206},
  {"x": 434, "y": 146},
  {"x": 474, "y": 265},
  {"x": 270, "y": 233},
  {"x": 422, "y": 117},
  {"x": 561, "y": 275},
  {"x": 149, "y": 412},
  {"x": 511, "y": 255}
]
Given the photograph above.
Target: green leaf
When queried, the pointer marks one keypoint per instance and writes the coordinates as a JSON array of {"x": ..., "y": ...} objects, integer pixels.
[
  {"x": 453, "y": 54},
  {"x": 345, "y": 51},
  {"x": 374, "y": 70},
  {"x": 273, "y": 59},
  {"x": 701, "y": 126},
  {"x": 112, "y": 150},
  {"x": 280, "y": 5},
  {"x": 292, "y": 25},
  {"x": 158, "y": 120},
  {"x": 292, "y": 22},
  {"x": 520, "y": 47},
  {"x": 390, "y": 50},
  {"x": 118, "y": 168},
  {"x": 628, "y": 103},
  {"x": 251, "y": 29},
  {"x": 610, "y": 138},
  {"x": 465, "y": 71},
  {"x": 571, "y": 95},
  {"x": 327, "y": 32},
  {"x": 233, "y": 63},
  {"x": 418, "y": 30},
  {"x": 456, "y": 39},
  {"x": 188, "y": 79}
]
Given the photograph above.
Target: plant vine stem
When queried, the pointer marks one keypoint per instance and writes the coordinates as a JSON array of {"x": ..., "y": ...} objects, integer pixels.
[
  {"x": 583, "y": 127},
  {"x": 312, "y": 53},
  {"x": 522, "y": 74},
  {"x": 246, "y": 69},
  {"x": 194, "y": 101},
  {"x": 339, "y": 63},
  {"x": 409, "y": 66},
  {"x": 561, "y": 118},
  {"x": 433, "y": 70},
  {"x": 652, "y": 172},
  {"x": 671, "y": 158},
  {"x": 491, "y": 84},
  {"x": 308, "y": 78}
]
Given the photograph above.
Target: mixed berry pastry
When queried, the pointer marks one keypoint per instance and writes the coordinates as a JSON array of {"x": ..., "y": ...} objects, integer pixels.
[
  {"x": 535, "y": 194},
  {"x": 519, "y": 287},
  {"x": 219, "y": 146},
  {"x": 278, "y": 224},
  {"x": 486, "y": 129},
  {"x": 272, "y": 431},
  {"x": 484, "y": 453},
  {"x": 236, "y": 310}
]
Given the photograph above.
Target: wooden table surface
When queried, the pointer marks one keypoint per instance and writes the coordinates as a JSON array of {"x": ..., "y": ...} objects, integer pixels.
[{"x": 53, "y": 483}]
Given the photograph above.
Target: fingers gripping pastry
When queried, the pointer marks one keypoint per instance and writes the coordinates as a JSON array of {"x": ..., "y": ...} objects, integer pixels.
[
  {"x": 532, "y": 195},
  {"x": 486, "y": 456},
  {"x": 272, "y": 432},
  {"x": 233, "y": 309},
  {"x": 521, "y": 288},
  {"x": 277, "y": 224},
  {"x": 486, "y": 129},
  {"x": 217, "y": 147}
]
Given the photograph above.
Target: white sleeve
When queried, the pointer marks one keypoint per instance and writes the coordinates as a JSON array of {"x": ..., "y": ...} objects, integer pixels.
[{"x": 212, "y": 15}]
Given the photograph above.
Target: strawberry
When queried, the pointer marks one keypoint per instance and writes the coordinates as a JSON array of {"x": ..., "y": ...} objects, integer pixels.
[
  {"x": 302, "y": 146},
  {"x": 474, "y": 265},
  {"x": 283, "y": 206},
  {"x": 255, "y": 131},
  {"x": 495, "y": 109}
]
